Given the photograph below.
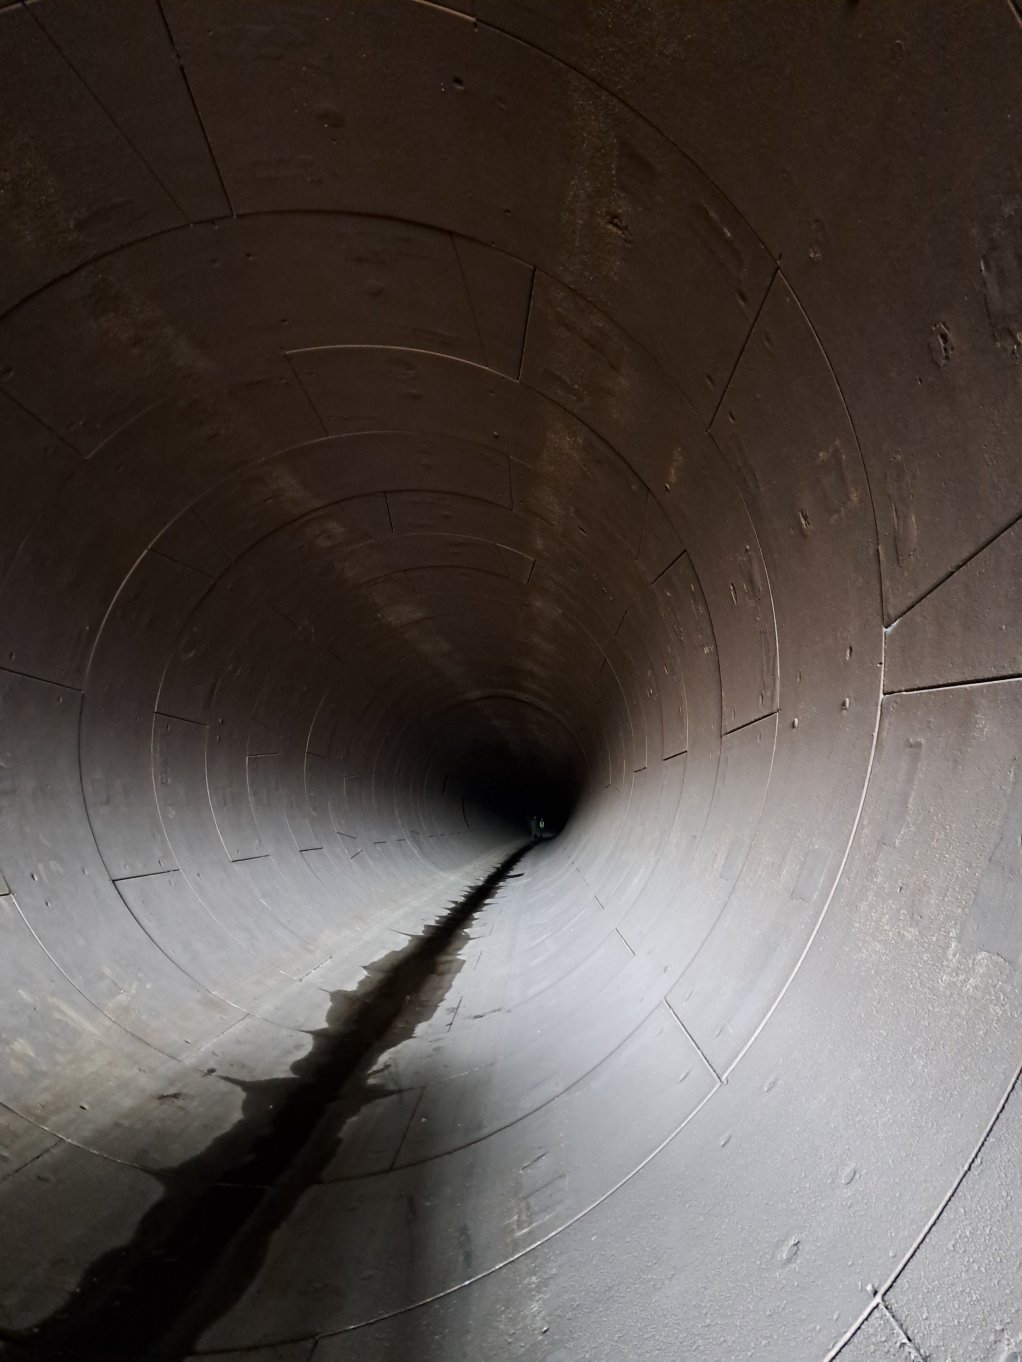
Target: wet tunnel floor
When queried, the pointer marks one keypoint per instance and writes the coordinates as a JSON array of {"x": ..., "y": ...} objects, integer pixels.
[{"x": 194, "y": 1253}]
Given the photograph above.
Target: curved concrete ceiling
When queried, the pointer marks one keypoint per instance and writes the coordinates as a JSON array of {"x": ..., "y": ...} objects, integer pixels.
[{"x": 415, "y": 418}]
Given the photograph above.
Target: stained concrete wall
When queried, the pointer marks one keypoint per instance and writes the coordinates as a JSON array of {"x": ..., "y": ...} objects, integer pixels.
[{"x": 630, "y": 393}]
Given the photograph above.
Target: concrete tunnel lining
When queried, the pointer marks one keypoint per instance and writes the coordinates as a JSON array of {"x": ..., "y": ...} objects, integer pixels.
[{"x": 624, "y": 395}]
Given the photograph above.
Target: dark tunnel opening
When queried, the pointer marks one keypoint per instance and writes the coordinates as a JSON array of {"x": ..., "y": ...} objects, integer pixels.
[
  {"x": 422, "y": 420},
  {"x": 530, "y": 793}
]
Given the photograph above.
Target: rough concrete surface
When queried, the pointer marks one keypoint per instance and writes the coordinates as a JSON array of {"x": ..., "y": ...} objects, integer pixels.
[{"x": 419, "y": 419}]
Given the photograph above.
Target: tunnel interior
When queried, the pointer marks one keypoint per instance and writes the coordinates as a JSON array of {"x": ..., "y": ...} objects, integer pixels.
[{"x": 510, "y": 681}]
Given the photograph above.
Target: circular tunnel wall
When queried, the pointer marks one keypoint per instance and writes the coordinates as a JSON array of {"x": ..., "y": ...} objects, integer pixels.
[{"x": 418, "y": 419}]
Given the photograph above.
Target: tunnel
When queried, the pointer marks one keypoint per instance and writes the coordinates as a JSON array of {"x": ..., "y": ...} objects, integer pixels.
[{"x": 510, "y": 809}]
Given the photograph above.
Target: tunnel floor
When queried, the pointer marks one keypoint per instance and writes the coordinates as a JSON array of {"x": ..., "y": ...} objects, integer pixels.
[{"x": 199, "y": 1248}]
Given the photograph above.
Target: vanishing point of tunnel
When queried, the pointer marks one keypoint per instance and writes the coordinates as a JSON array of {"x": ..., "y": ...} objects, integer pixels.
[{"x": 510, "y": 680}]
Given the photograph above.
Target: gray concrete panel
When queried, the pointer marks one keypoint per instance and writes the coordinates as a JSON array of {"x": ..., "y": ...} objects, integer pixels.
[
  {"x": 124, "y": 54},
  {"x": 958, "y": 1296},
  {"x": 68, "y": 206},
  {"x": 116, "y": 739},
  {"x": 615, "y": 387},
  {"x": 964, "y": 630},
  {"x": 607, "y": 233}
]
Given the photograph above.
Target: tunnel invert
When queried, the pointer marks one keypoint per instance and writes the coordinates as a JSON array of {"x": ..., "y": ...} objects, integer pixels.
[{"x": 418, "y": 419}]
